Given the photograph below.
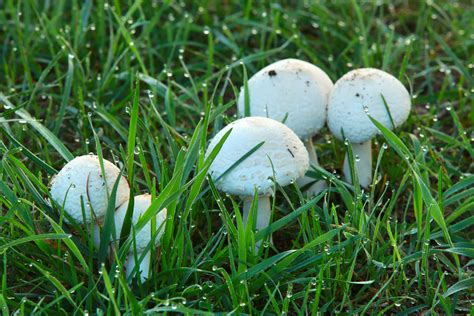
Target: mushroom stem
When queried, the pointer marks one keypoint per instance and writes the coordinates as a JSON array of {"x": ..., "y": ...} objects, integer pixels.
[
  {"x": 264, "y": 211},
  {"x": 313, "y": 157},
  {"x": 144, "y": 267},
  {"x": 362, "y": 161},
  {"x": 318, "y": 186}
]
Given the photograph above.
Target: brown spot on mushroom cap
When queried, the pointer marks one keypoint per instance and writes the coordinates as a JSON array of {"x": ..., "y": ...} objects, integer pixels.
[{"x": 272, "y": 73}]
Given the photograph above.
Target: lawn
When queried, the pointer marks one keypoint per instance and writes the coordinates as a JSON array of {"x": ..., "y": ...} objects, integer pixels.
[{"x": 146, "y": 84}]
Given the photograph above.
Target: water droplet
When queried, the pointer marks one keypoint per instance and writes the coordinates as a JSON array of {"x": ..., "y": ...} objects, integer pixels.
[
  {"x": 206, "y": 30},
  {"x": 385, "y": 145}
]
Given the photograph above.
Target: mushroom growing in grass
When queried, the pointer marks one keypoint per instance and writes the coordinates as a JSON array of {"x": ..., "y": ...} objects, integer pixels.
[
  {"x": 356, "y": 95},
  {"x": 281, "y": 157},
  {"x": 142, "y": 239},
  {"x": 296, "y": 93},
  {"x": 83, "y": 182}
]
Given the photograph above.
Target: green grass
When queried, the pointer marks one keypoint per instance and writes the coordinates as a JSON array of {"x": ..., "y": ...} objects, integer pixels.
[{"x": 146, "y": 84}]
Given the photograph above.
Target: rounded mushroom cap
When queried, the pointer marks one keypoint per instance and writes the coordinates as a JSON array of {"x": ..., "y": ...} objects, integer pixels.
[
  {"x": 282, "y": 156},
  {"x": 358, "y": 93},
  {"x": 292, "y": 90},
  {"x": 140, "y": 206},
  {"x": 82, "y": 179}
]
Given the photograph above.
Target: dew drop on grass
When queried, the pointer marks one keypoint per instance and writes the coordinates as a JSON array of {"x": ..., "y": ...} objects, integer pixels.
[
  {"x": 327, "y": 250},
  {"x": 357, "y": 158},
  {"x": 385, "y": 145},
  {"x": 206, "y": 30}
]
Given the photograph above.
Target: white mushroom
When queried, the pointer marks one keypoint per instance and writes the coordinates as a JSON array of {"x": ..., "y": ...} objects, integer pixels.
[
  {"x": 143, "y": 237},
  {"x": 82, "y": 179},
  {"x": 282, "y": 157},
  {"x": 358, "y": 93},
  {"x": 294, "y": 92}
]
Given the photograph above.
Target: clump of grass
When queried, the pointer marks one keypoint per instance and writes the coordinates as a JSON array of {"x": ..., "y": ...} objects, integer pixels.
[{"x": 148, "y": 83}]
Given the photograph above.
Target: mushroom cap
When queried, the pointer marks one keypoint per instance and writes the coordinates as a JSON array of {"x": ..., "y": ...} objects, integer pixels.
[
  {"x": 140, "y": 206},
  {"x": 81, "y": 178},
  {"x": 358, "y": 93},
  {"x": 292, "y": 90},
  {"x": 282, "y": 148}
]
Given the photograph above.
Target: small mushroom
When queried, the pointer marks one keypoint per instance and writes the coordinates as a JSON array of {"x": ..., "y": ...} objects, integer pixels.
[
  {"x": 282, "y": 157},
  {"x": 294, "y": 92},
  {"x": 355, "y": 95},
  {"x": 82, "y": 179},
  {"x": 143, "y": 237}
]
